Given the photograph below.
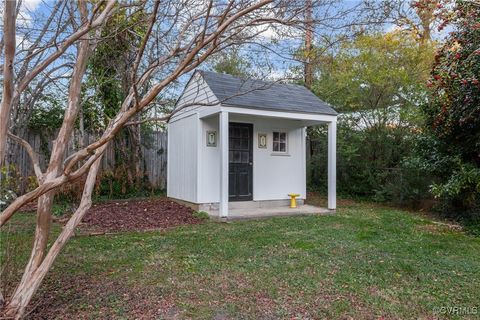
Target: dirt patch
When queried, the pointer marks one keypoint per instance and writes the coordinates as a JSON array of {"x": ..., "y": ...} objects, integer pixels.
[
  {"x": 314, "y": 198},
  {"x": 84, "y": 297},
  {"x": 439, "y": 227},
  {"x": 137, "y": 215}
]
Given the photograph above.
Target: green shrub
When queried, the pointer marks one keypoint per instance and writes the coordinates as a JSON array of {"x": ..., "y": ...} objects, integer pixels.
[
  {"x": 370, "y": 164},
  {"x": 201, "y": 215}
]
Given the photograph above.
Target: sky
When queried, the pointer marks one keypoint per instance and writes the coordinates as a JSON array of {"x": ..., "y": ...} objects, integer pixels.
[
  {"x": 28, "y": 7},
  {"x": 279, "y": 59}
]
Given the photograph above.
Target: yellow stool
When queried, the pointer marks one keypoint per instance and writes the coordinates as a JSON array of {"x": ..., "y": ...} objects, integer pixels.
[{"x": 293, "y": 201}]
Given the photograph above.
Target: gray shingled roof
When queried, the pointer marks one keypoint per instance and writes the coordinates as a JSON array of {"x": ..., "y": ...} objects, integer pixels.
[{"x": 233, "y": 91}]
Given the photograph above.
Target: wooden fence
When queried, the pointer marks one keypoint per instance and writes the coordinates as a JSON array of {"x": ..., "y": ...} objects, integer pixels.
[{"x": 153, "y": 146}]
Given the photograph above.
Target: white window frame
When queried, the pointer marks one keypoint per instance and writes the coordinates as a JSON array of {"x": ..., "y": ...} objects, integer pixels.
[{"x": 280, "y": 131}]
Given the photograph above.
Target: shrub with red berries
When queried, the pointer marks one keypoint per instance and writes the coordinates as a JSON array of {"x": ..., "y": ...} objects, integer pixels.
[
  {"x": 454, "y": 111},
  {"x": 453, "y": 114}
]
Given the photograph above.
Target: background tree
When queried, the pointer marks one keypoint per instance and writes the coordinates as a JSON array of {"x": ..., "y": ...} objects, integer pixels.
[
  {"x": 419, "y": 18},
  {"x": 377, "y": 81},
  {"x": 108, "y": 82},
  {"x": 232, "y": 62}
]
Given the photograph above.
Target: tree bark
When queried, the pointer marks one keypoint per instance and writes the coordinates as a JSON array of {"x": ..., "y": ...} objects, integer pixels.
[
  {"x": 308, "y": 45},
  {"x": 9, "y": 15},
  {"x": 136, "y": 154},
  {"x": 24, "y": 293},
  {"x": 31, "y": 153},
  {"x": 45, "y": 202}
]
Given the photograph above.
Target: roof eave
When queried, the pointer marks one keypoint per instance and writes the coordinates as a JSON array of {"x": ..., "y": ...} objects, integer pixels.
[{"x": 226, "y": 104}]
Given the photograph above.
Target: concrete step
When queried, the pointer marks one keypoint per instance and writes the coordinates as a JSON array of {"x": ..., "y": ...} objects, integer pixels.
[
  {"x": 258, "y": 213},
  {"x": 251, "y": 204}
]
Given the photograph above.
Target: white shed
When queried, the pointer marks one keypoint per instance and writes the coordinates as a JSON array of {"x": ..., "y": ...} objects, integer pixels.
[{"x": 233, "y": 140}]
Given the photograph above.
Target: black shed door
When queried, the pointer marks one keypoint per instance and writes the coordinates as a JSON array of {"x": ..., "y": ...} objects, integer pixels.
[{"x": 240, "y": 162}]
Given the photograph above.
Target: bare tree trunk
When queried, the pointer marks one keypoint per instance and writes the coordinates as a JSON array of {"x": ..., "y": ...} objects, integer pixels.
[
  {"x": 24, "y": 293},
  {"x": 9, "y": 42},
  {"x": 81, "y": 127},
  {"x": 42, "y": 232},
  {"x": 136, "y": 154},
  {"x": 9, "y": 15},
  {"x": 45, "y": 202},
  {"x": 308, "y": 45},
  {"x": 427, "y": 17}
]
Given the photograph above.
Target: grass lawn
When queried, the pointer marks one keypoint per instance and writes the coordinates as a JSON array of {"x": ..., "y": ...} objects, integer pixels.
[{"x": 363, "y": 262}]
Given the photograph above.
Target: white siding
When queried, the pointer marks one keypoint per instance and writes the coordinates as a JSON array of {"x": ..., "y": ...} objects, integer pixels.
[
  {"x": 196, "y": 91},
  {"x": 183, "y": 141},
  {"x": 274, "y": 176},
  {"x": 209, "y": 178},
  {"x": 182, "y": 159}
]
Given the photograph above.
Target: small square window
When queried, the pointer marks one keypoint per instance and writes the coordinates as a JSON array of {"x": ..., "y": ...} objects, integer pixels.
[{"x": 279, "y": 142}]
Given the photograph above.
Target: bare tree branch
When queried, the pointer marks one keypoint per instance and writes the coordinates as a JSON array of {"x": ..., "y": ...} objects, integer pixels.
[{"x": 32, "y": 154}]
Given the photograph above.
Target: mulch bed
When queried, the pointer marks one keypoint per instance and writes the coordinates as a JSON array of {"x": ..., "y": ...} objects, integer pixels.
[
  {"x": 136, "y": 215},
  {"x": 130, "y": 215}
]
